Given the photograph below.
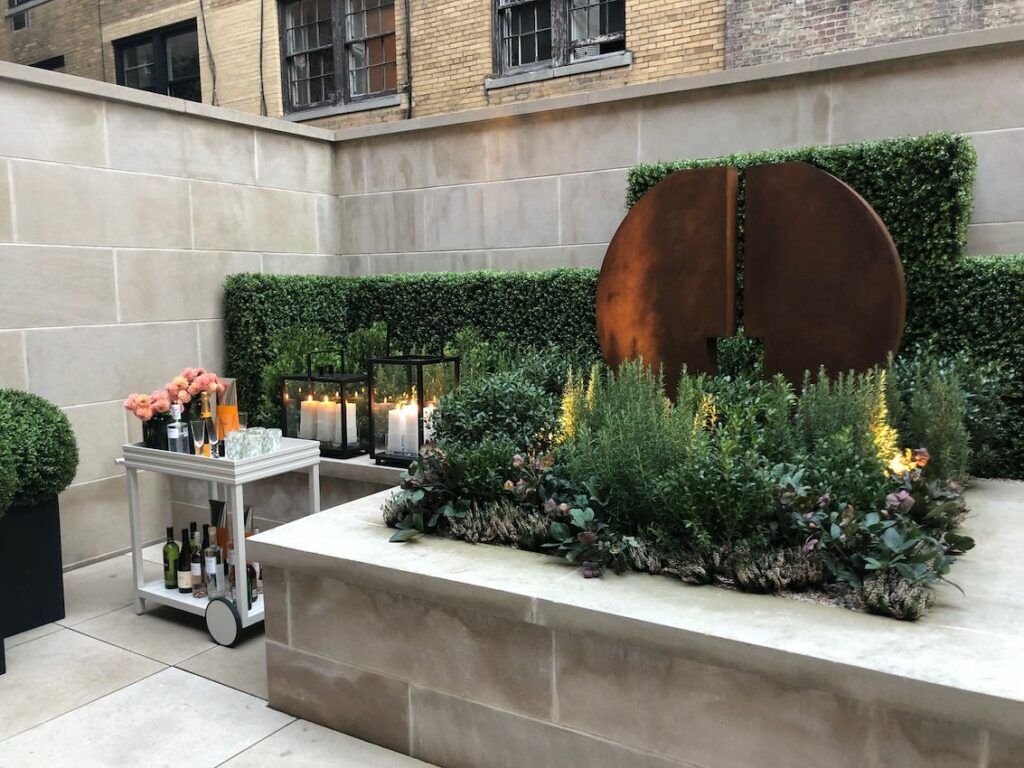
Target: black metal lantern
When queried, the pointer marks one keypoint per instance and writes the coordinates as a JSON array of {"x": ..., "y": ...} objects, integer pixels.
[
  {"x": 328, "y": 406},
  {"x": 404, "y": 389}
]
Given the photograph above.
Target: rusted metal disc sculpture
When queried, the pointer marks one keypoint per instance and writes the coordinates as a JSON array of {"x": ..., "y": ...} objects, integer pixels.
[
  {"x": 823, "y": 281},
  {"x": 668, "y": 281}
]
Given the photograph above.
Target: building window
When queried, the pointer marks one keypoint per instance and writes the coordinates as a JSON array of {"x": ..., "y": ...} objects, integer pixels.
[
  {"x": 54, "y": 64},
  {"x": 162, "y": 61},
  {"x": 337, "y": 51},
  {"x": 532, "y": 34}
]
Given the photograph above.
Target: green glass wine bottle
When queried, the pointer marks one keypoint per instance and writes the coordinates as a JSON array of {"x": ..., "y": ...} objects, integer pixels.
[{"x": 171, "y": 553}]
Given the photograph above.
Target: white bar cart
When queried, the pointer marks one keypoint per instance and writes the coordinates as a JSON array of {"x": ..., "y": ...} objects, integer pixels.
[{"x": 225, "y": 617}]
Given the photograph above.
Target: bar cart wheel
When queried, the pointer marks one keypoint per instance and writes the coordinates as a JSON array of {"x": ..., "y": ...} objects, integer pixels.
[{"x": 223, "y": 622}]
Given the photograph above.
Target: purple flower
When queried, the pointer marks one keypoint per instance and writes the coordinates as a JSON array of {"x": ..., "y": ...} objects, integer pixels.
[
  {"x": 900, "y": 500},
  {"x": 824, "y": 500},
  {"x": 517, "y": 461},
  {"x": 810, "y": 545},
  {"x": 550, "y": 506}
]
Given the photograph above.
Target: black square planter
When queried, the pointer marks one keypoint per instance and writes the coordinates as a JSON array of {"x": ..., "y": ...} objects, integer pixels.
[{"x": 31, "y": 570}]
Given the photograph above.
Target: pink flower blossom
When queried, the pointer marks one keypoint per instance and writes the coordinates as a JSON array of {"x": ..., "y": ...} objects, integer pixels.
[
  {"x": 188, "y": 374},
  {"x": 144, "y": 414}
]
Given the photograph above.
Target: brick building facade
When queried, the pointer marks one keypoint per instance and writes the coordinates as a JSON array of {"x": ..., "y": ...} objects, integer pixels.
[
  {"x": 465, "y": 54},
  {"x": 765, "y": 31}
]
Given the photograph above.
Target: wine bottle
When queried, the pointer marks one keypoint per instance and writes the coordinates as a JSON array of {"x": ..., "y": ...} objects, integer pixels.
[
  {"x": 214, "y": 567},
  {"x": 230, "y": 584},
  {"x": 259, "y": 571},
  {"x": 170, "y": 560},
  {"x": 185, "y": 564},
  {"x": 250, "y": 583},
  {"x": 198, "y": 583}
]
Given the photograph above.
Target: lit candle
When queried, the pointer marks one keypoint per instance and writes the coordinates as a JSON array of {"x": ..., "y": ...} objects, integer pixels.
[
  {"x": 350, "y": 425},
  {"x": 308, "y": 418},
  {"x": 327, "y": 419},
  {"x": 396, "y": 429}
]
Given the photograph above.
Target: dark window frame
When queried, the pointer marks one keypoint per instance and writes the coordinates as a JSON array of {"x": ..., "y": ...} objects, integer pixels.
[
  {"x": 159, "y": 38},
  {"x": 563, "y": 46},
  {"x": 340, "y": 44},
  {"x": 52, "y": 64}
]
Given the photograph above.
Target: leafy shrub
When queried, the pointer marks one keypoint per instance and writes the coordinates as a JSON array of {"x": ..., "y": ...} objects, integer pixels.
[
  {"x": 286, "y": 352},
  {"x": 498, "y": 405},
  {"x": 981, "y": 393},
  {"x": 40, "y": 439}
]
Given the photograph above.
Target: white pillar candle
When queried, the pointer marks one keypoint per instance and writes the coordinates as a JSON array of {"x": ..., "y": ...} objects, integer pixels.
[
  {"x": 396, "y": 429},
  {"x": 350, "y": 425},
  {"x": 308, "y": 418},
  {"x": 412, "y": 436},
  {"x": 327, "y": 419}
]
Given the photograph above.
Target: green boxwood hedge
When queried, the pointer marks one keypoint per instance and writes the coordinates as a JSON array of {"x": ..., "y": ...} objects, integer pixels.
[
  {"x": 555, "y": 306},
  {"x": 921, "y": 187},
  {"x": 38, "y": 451}
]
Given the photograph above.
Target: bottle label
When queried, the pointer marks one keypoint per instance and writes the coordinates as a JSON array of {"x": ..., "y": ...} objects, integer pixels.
[
  {"x": 197, "y": 572},
  {"x": 172, "y": 431},
  {"x": 184, "y": 579},
  {"x": 211, "y": 567}
]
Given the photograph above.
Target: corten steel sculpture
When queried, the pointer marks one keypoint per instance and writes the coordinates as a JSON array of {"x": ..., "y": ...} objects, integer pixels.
[
  {"x": 667, "y": 287},
  {"x": 823, "y": 283}
]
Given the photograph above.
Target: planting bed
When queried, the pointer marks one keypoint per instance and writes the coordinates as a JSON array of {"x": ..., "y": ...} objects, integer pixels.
[{"x": 482, "y": 656}]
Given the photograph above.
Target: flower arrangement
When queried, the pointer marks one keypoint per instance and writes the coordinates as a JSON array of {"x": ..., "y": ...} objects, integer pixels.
[
  {"x": 145, "y": 407},
  {"x": 183, "y": 389}
]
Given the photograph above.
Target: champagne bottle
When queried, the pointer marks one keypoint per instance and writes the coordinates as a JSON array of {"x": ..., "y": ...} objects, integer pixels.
[
  {"x": 214, "y": 567},
  {"x": 170, "y": 560},
  {"x": 185, "y": 564},
  {"x": 198, "y": 583},
  {"x": 205, "y": 414}
]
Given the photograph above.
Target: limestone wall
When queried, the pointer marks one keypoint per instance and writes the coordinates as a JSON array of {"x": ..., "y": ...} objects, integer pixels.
[{"x": 120, "y": 215}]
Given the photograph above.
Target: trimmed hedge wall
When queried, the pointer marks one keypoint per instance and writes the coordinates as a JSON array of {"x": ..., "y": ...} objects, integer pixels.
[
  {"x": 555, "y": 306},
  {"x": 921, "y": 188}
]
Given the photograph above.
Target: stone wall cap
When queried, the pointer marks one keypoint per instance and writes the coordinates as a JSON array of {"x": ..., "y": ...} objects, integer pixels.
[{"x": 58, "y": 81}]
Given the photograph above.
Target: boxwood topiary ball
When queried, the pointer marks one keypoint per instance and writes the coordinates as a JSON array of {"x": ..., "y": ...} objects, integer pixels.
[{"x": 39, "y": 437}]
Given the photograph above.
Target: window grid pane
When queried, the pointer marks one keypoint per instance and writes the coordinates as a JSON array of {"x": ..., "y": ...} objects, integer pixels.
[
  {"x": 525, "y": 32},
  {"x": 598, "y": 27},
  {"x": 309, "y": 52},
  {"x": 370, "y": 47}
]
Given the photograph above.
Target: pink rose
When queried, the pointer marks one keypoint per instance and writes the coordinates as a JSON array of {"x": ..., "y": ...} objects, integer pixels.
[
  {"x": 188, "y": 374},
  {"x": 143, "y": 401},
  {"x": 131, "y": 402},
  {"x": 200, "y": 371},
  {"x": 144, "y": 414},
  {"x": 184, "y": 397},
  {"x": 194, "y": 388}
]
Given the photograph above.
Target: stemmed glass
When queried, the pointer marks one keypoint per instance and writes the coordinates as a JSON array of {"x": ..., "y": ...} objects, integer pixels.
[
  {"x": 198, "y": 434},
  {"x": 212, "y": 438}
]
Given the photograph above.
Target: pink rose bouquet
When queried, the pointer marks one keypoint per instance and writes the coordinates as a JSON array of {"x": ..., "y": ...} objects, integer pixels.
[{"x": 182, "y": 389}]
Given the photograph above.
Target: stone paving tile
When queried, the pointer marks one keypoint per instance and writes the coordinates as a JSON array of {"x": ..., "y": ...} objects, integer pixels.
[
  {"x": 59, "y": 672},
  {"x": 168, "y": 719},
  {"x": 31, "y": 634},
  {"x": 100, "y": 588},
  {"x": 307, "y": 745},
  {"x": 243, "y": 667},
  {"x": 161, "y": 633}
]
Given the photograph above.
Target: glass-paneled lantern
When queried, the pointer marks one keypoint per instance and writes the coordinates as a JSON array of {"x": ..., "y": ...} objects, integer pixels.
[
  {"x": 404, "y": 389},
  {"x": 328, "y": 406}
]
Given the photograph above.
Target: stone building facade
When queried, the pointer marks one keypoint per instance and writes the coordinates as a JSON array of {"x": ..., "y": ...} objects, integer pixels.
[{"x": 766, "y": 31}]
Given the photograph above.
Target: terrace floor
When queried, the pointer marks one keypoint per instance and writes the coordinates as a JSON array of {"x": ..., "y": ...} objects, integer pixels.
[{"x": 105, "y": 687}]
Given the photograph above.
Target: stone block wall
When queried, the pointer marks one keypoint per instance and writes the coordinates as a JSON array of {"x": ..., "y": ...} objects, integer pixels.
[
  {"x": 118, "y": 222},
  {"x": 765, "y": 31},
  {"x": 457, "y": 684}
]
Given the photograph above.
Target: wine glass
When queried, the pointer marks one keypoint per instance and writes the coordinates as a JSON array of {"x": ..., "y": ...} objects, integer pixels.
[
  {"x": 243, "y": 419},
  {"x": 198, "y": 427},
  {"x": 212, "y": 438}
]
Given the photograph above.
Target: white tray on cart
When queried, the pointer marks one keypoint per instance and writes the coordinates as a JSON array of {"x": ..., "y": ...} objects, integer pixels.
[{"x": 225, "y": 618}]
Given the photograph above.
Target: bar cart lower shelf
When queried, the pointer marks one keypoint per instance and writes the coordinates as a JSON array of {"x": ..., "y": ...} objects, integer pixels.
[{"x": 225, "y": 616}]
